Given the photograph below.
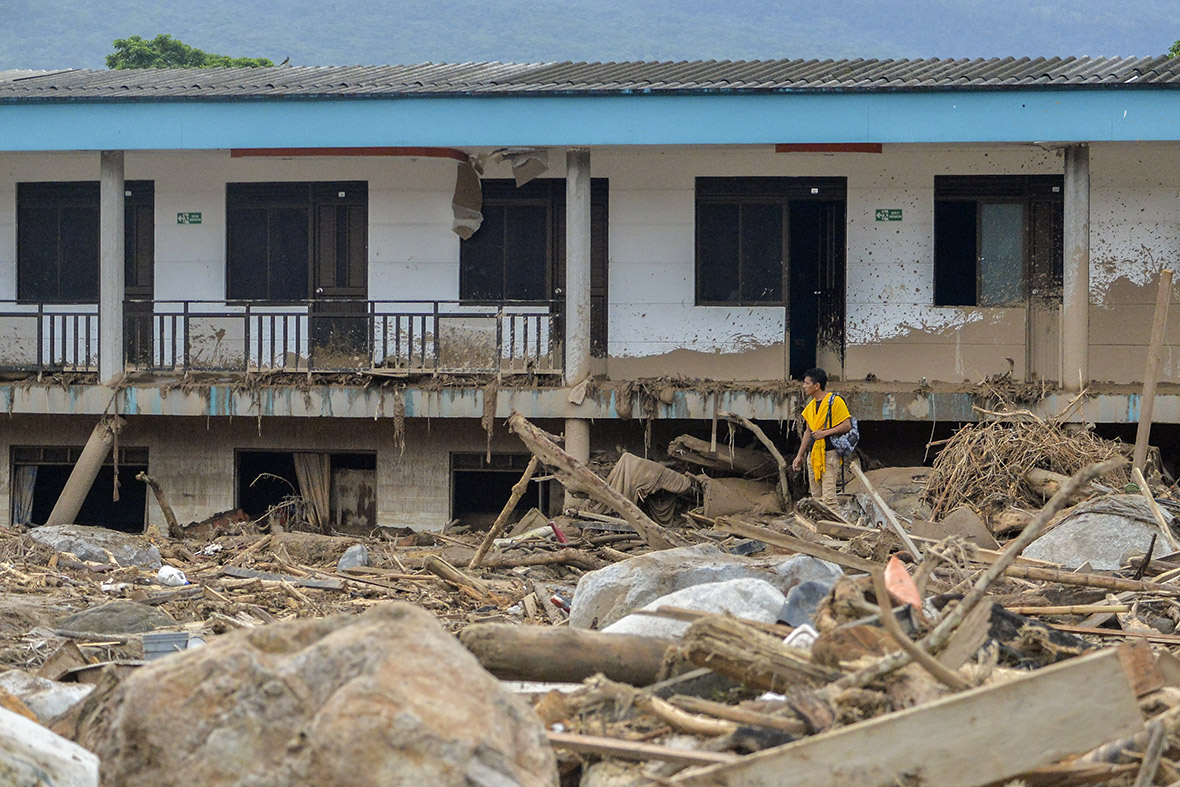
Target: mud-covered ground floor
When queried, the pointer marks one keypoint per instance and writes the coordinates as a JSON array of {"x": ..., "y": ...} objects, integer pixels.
[{"x": 418, "y": 473}]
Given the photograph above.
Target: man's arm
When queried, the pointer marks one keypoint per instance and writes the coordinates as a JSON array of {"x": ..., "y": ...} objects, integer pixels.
[{"x": 809, "y": 437}]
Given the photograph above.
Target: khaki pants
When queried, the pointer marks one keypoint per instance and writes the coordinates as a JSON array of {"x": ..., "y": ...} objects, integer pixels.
[{"x": 825, "y": 487}]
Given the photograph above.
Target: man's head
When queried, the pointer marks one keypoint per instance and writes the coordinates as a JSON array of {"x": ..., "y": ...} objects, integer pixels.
[{"x": 815, "y": 381}]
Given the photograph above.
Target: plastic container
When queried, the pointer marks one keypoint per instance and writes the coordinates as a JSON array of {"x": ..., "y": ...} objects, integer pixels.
[{"x": 163, "y": 643}]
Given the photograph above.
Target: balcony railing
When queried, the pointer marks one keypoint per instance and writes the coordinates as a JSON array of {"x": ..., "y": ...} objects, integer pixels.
[
  {"x": 410, "y": 337},
  {"x": 48, "y": 337}
]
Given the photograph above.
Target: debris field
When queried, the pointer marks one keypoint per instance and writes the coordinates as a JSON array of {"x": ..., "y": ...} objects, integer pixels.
[{"x": 1005, "y": 616}]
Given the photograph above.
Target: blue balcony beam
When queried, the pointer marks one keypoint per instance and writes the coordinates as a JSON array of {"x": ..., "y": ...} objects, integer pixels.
[{"x": 1061, "y": 115}]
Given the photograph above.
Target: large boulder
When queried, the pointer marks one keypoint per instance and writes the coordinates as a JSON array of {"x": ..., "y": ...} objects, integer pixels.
[
  {"x": 47, "y": 699},
  {"x": 384, "y": 698},
  {"x": 749, "y": 599},
  {"x": 32, "y": 756},
  {"x": 606, "y": 595},
  {"x": 117, "y": 617},
  {"x": 94, "y": 543},
  {"x": 1099, "y": 532}
]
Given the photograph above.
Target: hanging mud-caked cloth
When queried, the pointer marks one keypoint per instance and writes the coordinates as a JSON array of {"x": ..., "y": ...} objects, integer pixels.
[
  {"x": 23, "y": 482},
  {"x": 314, "y": 473}
]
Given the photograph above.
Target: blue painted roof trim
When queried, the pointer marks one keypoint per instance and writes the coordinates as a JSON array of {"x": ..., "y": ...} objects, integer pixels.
[{"x": 977, "y": 116}]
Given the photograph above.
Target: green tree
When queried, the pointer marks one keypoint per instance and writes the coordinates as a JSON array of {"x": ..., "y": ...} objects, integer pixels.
[{"x": 164, "y": 51}]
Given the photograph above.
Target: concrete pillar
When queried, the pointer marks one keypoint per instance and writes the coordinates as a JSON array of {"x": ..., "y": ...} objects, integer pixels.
[
  {"x": 1075, "y": 307},
  {"x": 77, "y": 486},
  {"x": 577, "y": 291},
  {"x": 110, "y": 266}
]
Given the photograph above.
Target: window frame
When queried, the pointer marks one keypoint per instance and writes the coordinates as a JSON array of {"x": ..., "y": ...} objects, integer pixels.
[
  {"x": 757, "y": 190},
  {"x": 310, "y": 196},
  {"x": 548, "y": 193},
  {"x": 1025, "y": 190},
  {"x": 139, "y": 200}
]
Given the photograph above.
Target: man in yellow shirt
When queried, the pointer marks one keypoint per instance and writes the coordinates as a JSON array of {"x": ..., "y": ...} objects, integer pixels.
[{"x": 824, "y": 464}]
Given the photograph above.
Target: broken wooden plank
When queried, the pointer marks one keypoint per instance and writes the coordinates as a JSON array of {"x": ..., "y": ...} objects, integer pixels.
[
  {"x": 739, "y": 528},
  {"x": 444, "y": 570},
  {"x": 634, "y": 750},
  {"x": 1004, "y": 726},
  {"x": 249, "y": 573},
  {"x": 1089, "y": 580},
  {"x": 742, "y": 653},
  {"x": 740, "y": 715},
  {"x": 890, "y": 517}
]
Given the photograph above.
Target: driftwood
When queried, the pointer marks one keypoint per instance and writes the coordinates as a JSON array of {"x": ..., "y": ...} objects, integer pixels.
[
  {"x": 784, "y": 487},
  {"x": 173, "y": 529},
  {"x": 574, "y": 476},
  {"x": 518, "y": 490},
  {"x": 561, "y": 654},
  {"x": 445, "y": 571},
  {"x": 569, "y": 556},
  {"x": 741, "y": 715},
  {"x": 938, "y": 637},
  {"x": 746, "y": 530},
  {"x": 887, "y": 512},
  {"x": 743, "y": 653},
  {"x": 1007, "y": 724},
  {"x": 248, "y": 573},
  {"x": 634, "y": 750},
  {"x": 1087, "y": 580},
  {"x": 725, "y": 459}
]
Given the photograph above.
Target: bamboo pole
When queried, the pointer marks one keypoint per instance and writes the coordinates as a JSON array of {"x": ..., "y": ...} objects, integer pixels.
[{"x": 1151, "y": 374}]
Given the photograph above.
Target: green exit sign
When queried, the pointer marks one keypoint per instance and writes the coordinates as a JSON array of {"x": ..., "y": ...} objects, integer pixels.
[
  {"x": 888, "y": 214},
  {"x": 188, "y": 218}
]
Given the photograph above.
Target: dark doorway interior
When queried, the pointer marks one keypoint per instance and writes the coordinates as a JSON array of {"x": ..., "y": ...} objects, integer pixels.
[
  {"x": 816, "y": 254},
  {"x": 50, "y": 467},
  {"x": 479, "y": 489},
  {"x": 267, "y": 479}
]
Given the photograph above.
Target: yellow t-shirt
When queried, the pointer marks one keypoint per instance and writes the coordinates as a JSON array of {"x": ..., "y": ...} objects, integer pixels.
[{"x": 816, "y": 416}]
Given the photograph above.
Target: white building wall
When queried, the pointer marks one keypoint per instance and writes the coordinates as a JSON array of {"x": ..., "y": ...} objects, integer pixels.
[{"x": 893, "y": 329}]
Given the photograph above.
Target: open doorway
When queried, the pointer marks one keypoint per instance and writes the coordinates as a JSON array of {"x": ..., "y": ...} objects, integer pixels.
[
  {"x": 287, "y": 486},
  {"x": 39, "y": 474},
  {"x": 479, "y": 488}
]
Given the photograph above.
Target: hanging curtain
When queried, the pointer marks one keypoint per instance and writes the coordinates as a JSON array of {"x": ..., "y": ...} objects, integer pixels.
[
  {"x": 314, "y": 473},
  {"x": 23, "y": 481}
]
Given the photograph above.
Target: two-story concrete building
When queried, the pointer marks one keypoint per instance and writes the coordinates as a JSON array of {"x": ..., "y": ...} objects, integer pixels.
[{"x": 362, "y": 271}]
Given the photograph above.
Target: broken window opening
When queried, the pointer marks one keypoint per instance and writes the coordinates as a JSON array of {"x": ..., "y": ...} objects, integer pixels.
[
  {"x": 479, "y": 489},
  {"x": 39, "y": 474},
  {"x": 996, "y": 237},
  {"x": 518, "y": 253},
  {"x": 288, "y": 242},
  {"x": 270, "y": 488},
  {"x": 57, "y": 240}
]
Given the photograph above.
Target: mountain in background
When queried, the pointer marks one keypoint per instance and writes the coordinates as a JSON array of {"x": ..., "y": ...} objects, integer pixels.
[{"x": 46, "y": 34}]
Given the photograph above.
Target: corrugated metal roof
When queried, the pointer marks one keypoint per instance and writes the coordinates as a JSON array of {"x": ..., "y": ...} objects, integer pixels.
[{"x": 707, "y": 76}]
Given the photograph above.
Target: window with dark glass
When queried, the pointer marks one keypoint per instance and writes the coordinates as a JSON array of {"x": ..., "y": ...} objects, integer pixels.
[
  {"x": 293, "y": 241},
  {"x": 993, "y": 234},
  {"x": 58, "y": 243},
  {"x": 518, "y": 252}
]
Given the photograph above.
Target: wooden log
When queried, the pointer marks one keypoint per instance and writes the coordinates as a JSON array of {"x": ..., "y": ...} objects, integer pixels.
[
  {"x": 77, "y": 486},
  {"x": 1151, "y": 373},
  {"x": 1003, "y": 727},
  {"x": 1088, "y": 580},
  {"x": 574, "y": 476},
  {"x": 445, "y": 571},
  {"x": 1045, "y": 484},
  {"x": 743, "y": 653},
  {"x": 171, "y": 528},
  {"x": 518, "y": 490},
  {"x": 890, "y": 517},
  {"x": 569, "y": 556},
  {"x": 561, "y": 654},
  {"x": 634, "y": 750}
]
